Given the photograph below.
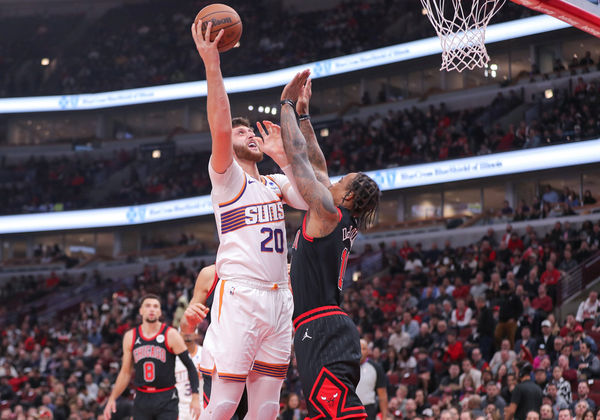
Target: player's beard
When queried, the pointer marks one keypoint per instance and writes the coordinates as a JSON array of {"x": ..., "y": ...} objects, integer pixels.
[
  {"x": 243, "y": 152},
  {"x": 152, "y": 320}
]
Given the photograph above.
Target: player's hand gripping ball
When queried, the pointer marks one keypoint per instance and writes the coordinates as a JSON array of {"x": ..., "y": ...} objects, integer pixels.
[{"x": 222, "y": 17}]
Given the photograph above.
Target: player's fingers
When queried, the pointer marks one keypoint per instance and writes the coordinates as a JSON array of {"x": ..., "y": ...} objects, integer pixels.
[
  {"x": 219, "y": 36},
  {"x": 261, "y": 130},
  {"x": 207, "y": 33},
  {"x": 309, "y": 86}
]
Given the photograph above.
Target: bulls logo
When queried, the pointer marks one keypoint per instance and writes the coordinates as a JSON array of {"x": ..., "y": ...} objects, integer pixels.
[{"x": 329, "y": 398}]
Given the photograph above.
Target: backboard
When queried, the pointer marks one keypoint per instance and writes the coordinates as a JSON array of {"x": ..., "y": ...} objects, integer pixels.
[{"x": 583, "y": 14}]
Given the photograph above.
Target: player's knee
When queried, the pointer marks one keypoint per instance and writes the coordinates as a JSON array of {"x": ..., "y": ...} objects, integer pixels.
[
  {"x": 222, "y": 410},
  {"x": 268, "y": 410}
]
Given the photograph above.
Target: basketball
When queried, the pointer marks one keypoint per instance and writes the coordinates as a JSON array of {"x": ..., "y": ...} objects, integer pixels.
[{"x": 222, "y": 17}]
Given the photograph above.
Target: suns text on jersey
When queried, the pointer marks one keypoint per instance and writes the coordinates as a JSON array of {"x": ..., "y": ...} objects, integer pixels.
[
  {"x": 149, "y": 352},
  {"x": 264, "y": 213}
]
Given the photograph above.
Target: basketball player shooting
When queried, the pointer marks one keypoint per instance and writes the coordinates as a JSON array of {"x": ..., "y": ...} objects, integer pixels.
[
  {"x": 326, "y": 343},
  {"x": 249, "y": 339},
  {"x": 149, "y": 351}
]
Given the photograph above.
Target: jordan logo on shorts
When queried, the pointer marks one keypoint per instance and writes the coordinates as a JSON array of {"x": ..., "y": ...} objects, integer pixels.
[{"x": 306, "y": 335}]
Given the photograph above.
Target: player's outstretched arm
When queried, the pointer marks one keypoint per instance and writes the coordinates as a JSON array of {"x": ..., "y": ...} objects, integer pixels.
[
  {"x": 178, "y": 347},
  {"x": 123, "y": 378},
  {"x": 315, "y": 154},
  {"x": 196, "y": 310},
  {"x": 272, "y": 145},
  {"x": 314, "y": 193},
  {"x": 217, "y": 102}
]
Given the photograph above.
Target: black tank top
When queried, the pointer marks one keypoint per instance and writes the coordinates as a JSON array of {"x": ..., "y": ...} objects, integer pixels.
[
  {"x": 153, "y": 360},
  {"x": 318, "y": 264}
]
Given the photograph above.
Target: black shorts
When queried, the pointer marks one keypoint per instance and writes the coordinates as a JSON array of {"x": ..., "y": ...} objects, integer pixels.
[
  {"x": 327, "y": 348},
  {"x": 242, "y": 407},
  {"x": 156, "y": 405}
]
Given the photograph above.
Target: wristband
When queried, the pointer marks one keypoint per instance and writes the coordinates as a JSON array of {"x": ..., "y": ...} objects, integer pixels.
[
  {"x": 303, "y": 117},
  {"x": 288, "y": 102}
]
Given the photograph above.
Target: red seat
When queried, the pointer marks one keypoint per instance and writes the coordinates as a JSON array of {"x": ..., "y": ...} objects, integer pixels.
[
  {"x": 594, "y": 335},
  {"x": 432, "y": 399},
  {"x": 464, "y": 333},
  {"x": 409, "y": 379},
  {"x": 595, "y": 386},
  {"x": 393, "y": 379},
  {"x": 595, "y": 396},
  {"x": 588, "y": 324}
]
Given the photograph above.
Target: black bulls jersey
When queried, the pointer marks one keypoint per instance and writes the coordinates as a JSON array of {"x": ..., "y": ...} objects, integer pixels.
[
  {"x": 153, "y": 360},
  {"x": 318, "y": 264},
  {"x": 210, "y": 297}
]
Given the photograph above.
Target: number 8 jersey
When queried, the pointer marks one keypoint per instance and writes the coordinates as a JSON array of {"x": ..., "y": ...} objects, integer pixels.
[
  {"x": 154, "y": 362},
  {"x": 250, "y": 223}
]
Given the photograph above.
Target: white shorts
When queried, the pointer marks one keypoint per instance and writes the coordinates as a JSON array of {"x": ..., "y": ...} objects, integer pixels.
[{"x": 251, "y": 330}]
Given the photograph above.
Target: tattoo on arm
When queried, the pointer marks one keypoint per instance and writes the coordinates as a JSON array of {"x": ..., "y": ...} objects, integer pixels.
[
  {"x": 315, "y": 154},
  {"x": 316, "y": 195}
]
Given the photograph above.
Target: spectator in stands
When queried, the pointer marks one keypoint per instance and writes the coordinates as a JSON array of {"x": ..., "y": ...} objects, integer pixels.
[
  {"x": 478, "y": 287},
  {"x": 510, "y": 310},
  {"x": 550, "y": 196},
  {"x": 588, "y": 364},
  {"x": 461, "y": 315},
  {"x": 546, "y": 412},
  {"x": 542, "y": 302},
  {"x": 546, "y": 338},
  {"x": 583, "y": 394},
  {"x": 563, "y": 386},
  {"x": 504, "y": 356},
  {"x": 526, "y": 340},
  {"x": 556, "y": 400},
  {"x": 587, "y": 198},
  {"x": 485, "y": 326},
  {"x": 453, "y": 351},
  {"x": 589, "y": 308},
  {"x": 567, "y": 263}
]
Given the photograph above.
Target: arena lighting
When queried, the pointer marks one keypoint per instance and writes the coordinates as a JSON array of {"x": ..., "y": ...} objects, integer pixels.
[
  {"x": 273, "y": 111},
  {"x": 548, "y": 93},
  {"x": 156, "y": 154},
  {"x": 339, "y": 65},
  {"x": 45, "y": 61},
  {"x": 520, "y": 161}
]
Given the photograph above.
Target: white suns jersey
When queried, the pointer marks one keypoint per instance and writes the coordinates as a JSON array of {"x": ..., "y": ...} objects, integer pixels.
[
  {"x": 182, "y": 381},
  {"x": 251, "y": 226}
]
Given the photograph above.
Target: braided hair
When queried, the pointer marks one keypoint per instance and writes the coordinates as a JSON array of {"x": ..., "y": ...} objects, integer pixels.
[{"x": 366, "y": 200}]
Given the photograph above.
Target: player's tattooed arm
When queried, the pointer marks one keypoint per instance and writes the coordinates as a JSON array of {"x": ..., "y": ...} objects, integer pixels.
[
  {"x": 316, "y": 195},
  {"x": 315, "y": 154}
]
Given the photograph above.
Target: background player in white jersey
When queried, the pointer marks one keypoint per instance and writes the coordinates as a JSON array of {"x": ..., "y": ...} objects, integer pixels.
[
  {"x": 250, "y": 336},
  {"x": 184, "y": 388}
]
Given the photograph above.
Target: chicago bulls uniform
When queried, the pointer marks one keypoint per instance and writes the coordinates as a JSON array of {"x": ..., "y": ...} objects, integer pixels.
[
  {"x": 327, "y": 344},
  {"x": 251, "y": 325},
  {"x": 184, "y": 389},
  {"x": 154, "y": 365}
]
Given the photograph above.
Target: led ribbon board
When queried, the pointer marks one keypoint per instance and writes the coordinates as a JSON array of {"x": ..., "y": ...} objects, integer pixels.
[
  {"x": 331, "y": 67},
  {"x": 520, "y": 161}
]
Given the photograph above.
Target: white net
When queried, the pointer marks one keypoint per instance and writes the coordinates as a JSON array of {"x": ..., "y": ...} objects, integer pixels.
[{"x": 461, "y": 25}]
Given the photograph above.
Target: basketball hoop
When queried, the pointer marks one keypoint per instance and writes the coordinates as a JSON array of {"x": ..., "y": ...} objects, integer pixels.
[{"x": 462, "y": 33}]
